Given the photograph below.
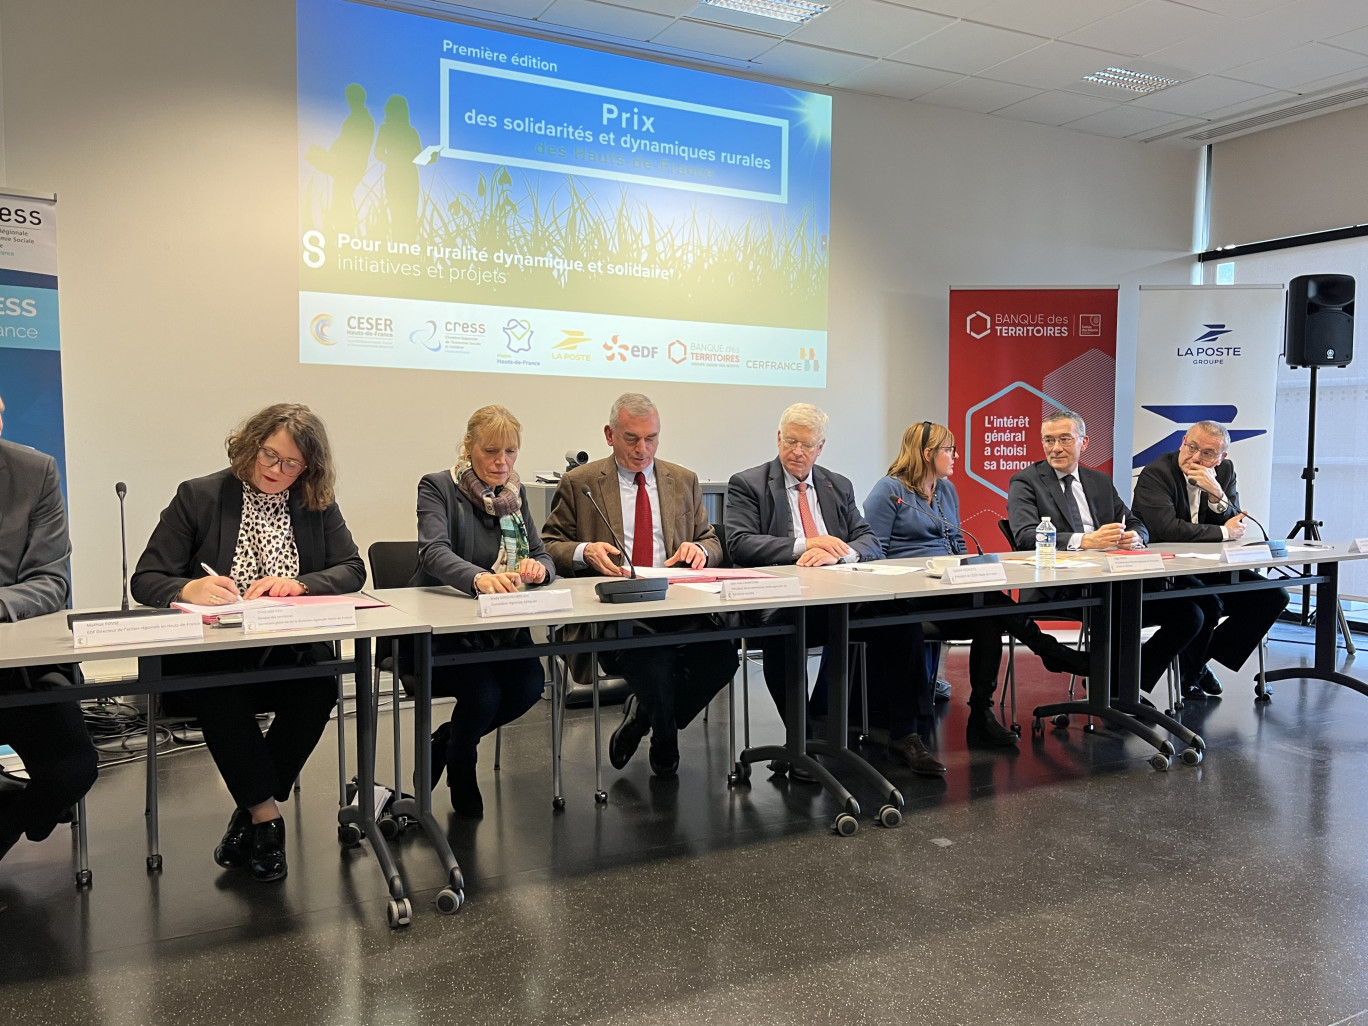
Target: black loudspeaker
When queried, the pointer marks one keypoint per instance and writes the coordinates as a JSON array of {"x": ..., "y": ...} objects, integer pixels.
[{"x": 1320, "y": 321}]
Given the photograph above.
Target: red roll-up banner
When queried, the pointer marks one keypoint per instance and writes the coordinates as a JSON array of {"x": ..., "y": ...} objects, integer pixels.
[{"x": 1015, "y": 354}]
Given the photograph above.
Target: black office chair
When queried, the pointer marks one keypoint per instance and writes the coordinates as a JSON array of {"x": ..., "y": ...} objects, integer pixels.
[{"x": 392, "y": 565}]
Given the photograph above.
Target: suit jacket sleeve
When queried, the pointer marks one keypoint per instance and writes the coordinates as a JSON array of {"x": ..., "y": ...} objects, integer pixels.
[
  {"x": 1023, "y": 510},
  {"x": 560, "y": 534},
  {"x": 747, "y": 542},
  {"x": 43, "y": 582},
  {"x": 343, "y": 569},
  {"x": 162, "y": 569},
  {"x": 1154, "y": 504},
  {"x": 859, "y": 535},
  {"x": 436, "y": 532}
]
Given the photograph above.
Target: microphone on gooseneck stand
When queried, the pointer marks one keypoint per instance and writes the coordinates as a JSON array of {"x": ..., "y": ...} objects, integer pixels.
[
  {"x": 982, "y": 557},
  {"x": 1278, "y": 548},
  {"x": 121, "y": 490},
  {"x": 629, "y": 589}
]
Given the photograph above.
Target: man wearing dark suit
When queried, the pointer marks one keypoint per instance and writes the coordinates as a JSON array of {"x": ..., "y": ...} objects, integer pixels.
[
  {"x": 35, "y": 579},
  {"x": 790, "y": 510},
  {"x": 656, "y": 508},
  {"x": 1088, "y": 514},
  {"x": 1190, "y": 496}
]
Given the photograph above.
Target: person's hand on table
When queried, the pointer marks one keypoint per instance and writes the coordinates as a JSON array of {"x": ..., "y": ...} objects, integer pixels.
[
  {"x": 274, "y": 587},
  {"x": 599, "y": 555},
  {"x": 209, "y": 591},
  {"x": 1235, "y": 526},
  {"x": 1130, "y": 540},
  {"x": 690, "y": 554},
  {"x": 489, "y": 583},
  {"x": 531, "y": 572},
  {"x": 1108, "y": 536},
  {"x": 827, "y": 543},
  {"x": 817, "y": 557}
]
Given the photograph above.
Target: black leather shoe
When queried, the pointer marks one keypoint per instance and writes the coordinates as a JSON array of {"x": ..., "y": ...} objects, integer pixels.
[
  {"x": 634, "y": 726},
  {"x": 911, "y": 751},
  {"x": 1060, "y": 658},
  {"x": 664, "y": 758},
  {"x": 1207, "y": 682},
  {"x": 984, "y": 731},
  {"x": 236, "y": 847},
  {"x": 781, "y": 768},
  {"x": 942, "y": 691},
  {"x": 466, "y": 799},
  {"x": 268, "y": 850},
  {"x": 440, "y": 736}
]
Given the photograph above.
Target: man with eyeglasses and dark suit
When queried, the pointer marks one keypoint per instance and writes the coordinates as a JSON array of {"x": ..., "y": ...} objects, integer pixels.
[{"x": 1190, "y": 496}]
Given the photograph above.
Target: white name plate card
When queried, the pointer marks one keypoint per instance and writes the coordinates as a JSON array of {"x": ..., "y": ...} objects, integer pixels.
[
  {"x": 1246, "y": 554},
  {"x": 1136, "y": 563},
  {"x": 264, "y": 619},
  {"x": 762, "y": 587},
  {"x": 977, "y": 573},
  {"x": 1359, "y": 545},
  {"x": 515, "y": 603},
  {"x": 136, "y": 630}
]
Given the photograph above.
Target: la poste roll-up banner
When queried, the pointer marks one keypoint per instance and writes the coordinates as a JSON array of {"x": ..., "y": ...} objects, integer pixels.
[
  {"x": 1015, "y": 355},
  {"x": 1210, "y": 352},
  {"x": 30, "y": 353}
]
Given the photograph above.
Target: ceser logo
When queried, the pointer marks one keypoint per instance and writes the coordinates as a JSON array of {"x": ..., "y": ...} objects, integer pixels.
[{"x": 319, "y": 328}]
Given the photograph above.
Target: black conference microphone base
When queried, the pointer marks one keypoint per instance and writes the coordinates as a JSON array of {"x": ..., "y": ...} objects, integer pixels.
[
  {"x": 633, "y": 589},
  {"x": 982, "y": 557}
]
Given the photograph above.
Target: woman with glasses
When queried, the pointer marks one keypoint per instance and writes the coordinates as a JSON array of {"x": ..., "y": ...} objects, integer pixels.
[
  {"x": 473, "y": 536},
  {"x": 265, "y": 526},
  {"x": 915, "y": 512}
]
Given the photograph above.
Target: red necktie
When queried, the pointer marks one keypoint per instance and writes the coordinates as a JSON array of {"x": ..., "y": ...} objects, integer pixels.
[
  {"x": 805, "y": 512},
  {"x": 643, "y": 530}
]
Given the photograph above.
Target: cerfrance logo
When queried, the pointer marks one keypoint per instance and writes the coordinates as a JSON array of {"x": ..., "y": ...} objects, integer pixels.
[
  {"x": 616, "y": 350},
  {"x": 978, "y": 324},
  {"x": 809, "y": 358},
  {"x": 319, "y": 328},
  {"x": 426, "y": 336},
  {"x": 519, "y": 334},
  {"x": 677, "y": 351}
]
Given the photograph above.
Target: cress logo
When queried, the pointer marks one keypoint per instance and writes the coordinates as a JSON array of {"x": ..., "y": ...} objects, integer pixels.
[
  {"x": 319, "y": 328},
  {"x": 677, "y": 351},
  {"x": 519, "y": 334},
  {"x": 976, "y": 321},
  {"x": 426, "y": 336}
]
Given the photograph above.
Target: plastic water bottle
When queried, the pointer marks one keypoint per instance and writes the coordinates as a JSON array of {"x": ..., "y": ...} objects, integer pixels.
[{"x": 1045, "y": 544}]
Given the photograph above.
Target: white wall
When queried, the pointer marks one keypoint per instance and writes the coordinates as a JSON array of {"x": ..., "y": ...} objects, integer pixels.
[{"x": 168, "y": 131}]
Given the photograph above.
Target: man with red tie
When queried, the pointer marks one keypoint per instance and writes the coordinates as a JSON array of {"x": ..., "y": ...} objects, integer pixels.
[{"x": 656, "y": 508}]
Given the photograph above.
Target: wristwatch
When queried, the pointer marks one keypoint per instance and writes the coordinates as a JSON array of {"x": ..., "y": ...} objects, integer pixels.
[{"x": 1220, "y": 505}]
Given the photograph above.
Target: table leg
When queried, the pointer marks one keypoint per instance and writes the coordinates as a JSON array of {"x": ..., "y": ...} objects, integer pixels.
[
  {"x": 557, "y": 719},
  {"x": 1327, "y": 601},
  {"x": 149, "y": 668}
]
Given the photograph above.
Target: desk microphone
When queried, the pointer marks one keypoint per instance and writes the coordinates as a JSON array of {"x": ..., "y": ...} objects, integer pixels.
[
  {"x": 630, "y": 589},
  {"x": 121, "y": 490},
  {"x": 1277, "y": 548},
  {"x": 982, "y": 557}
]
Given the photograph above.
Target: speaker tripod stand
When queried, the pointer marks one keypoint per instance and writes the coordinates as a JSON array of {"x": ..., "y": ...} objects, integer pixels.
[{"x": 1309, "y": 527}]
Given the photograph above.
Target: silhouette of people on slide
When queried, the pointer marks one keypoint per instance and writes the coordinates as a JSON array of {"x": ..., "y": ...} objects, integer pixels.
[
  {"x": 346, "y": 161},
  {"x": 396, "y": 146}
]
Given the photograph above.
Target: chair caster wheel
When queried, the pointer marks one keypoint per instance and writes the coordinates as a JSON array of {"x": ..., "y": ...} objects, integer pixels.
[
  {"x": 154, "y": 863},
  {"x": 1037, "y": 727},
  {"x": 389, "y": 827},
  {"x": 862, "y": 739},
  {"x": 846, "y": 825},
  {"x": 349, "y": 834},
  {"x": 449, "y": 902},
  {"x": 890, "y": 816},
  {"x": 1159, "y": 761},
  {"x": 1016, "y": 729},
  {"x": 1191, "y": 756},
  {"x": 558, "y": 803},
  {"x": 84, "y": 879},
  {"x": 600, "y": 797},
  {"x": 399, "y": 912},
  {"x": 740, "y": 774},
  {"x": 1060, "y": 720}
]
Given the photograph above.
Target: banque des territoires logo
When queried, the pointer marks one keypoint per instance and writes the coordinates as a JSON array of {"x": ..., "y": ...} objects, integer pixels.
[
  {"x": 978, "y": 324},
  {"x": 319, "y": 328}
]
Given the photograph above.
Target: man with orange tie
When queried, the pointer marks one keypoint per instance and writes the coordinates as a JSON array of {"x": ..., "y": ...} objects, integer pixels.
[{"x": 656, "y": 508}]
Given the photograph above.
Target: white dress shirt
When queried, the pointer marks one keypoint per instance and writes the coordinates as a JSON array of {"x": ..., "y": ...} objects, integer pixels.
[
  {"x": 627, "y": 490},
  {"x": 1195, "y": 507},
  {"x": 795, "y": 518},
  {"x": 1076, "y": 539}
]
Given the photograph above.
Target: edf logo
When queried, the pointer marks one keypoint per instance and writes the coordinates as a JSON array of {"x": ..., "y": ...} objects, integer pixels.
[{"x": 978, "y": 324}]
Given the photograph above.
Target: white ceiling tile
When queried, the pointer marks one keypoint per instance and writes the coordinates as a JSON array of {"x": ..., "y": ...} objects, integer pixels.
[
  {"x": 871, "y": 27},
  {"x": 714, "y": 39},
  {"x": 1236, "y": 8},
  {"x": 1356, "y": 40},
  {"x": 1305, "y": 63},
  {"x": 954, "y": 8},
  {"x": 1053, "y": 108},
  {"x": 1050, "y": 66},
  {"x": 512, "y": 8},
  {"x": 978, "y": 94},
  {"x": 1256, "y": 105},
  {"x": 1333, "y": 83},
  {"x": 1122, "y": 122},
  {"x": 1200, "y": 95},
  {"x": 890, "y": 78},
  {"x": 604, "y": 18},
  {"x": 1179, "y": 125},
  {"x": 1148, "y": 26},
  {"x": 1049, "y": 17},
  {"x": 673, "y": 8},
  {"x": 968, "y": 48},
  {"x": 804, "y": 63},
  {"x": 1209, "y": 53}
]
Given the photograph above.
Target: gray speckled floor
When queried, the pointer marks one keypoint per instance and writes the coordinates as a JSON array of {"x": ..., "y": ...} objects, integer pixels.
[{"x": 1068, "y": 883}]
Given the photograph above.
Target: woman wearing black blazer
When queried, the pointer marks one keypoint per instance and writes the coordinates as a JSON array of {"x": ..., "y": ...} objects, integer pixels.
[
  {"x": 270, "y": 522},
  {"x": 473, "y": 536}
]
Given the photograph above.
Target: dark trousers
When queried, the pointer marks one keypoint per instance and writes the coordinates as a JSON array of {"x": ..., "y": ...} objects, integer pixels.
[
  {"x": 673, "y": 683},
  {"x": 1249, "y": 615},
  {"x": 256, "y": 766},
  {"x": 1179, "y": 621},
  {"x": 60, "y": 761},
  {"x": 488, "y": 695}
]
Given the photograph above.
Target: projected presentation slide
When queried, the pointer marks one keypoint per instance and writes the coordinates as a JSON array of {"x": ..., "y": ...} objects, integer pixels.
[{"x": 472, "y": 200}]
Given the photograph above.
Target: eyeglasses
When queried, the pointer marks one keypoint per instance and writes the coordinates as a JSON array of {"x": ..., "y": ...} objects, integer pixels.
[
  {"x": 793, "y": 443},
  {"x": 1050, "y": 441},
  {"x": 949, "y": 449},
  {"x": 1205, "y": 455},
  {"x": 269, "y": 458}
]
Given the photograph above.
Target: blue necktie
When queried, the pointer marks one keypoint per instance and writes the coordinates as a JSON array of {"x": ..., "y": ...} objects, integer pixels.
[{"x": 1071, "y": 503}]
